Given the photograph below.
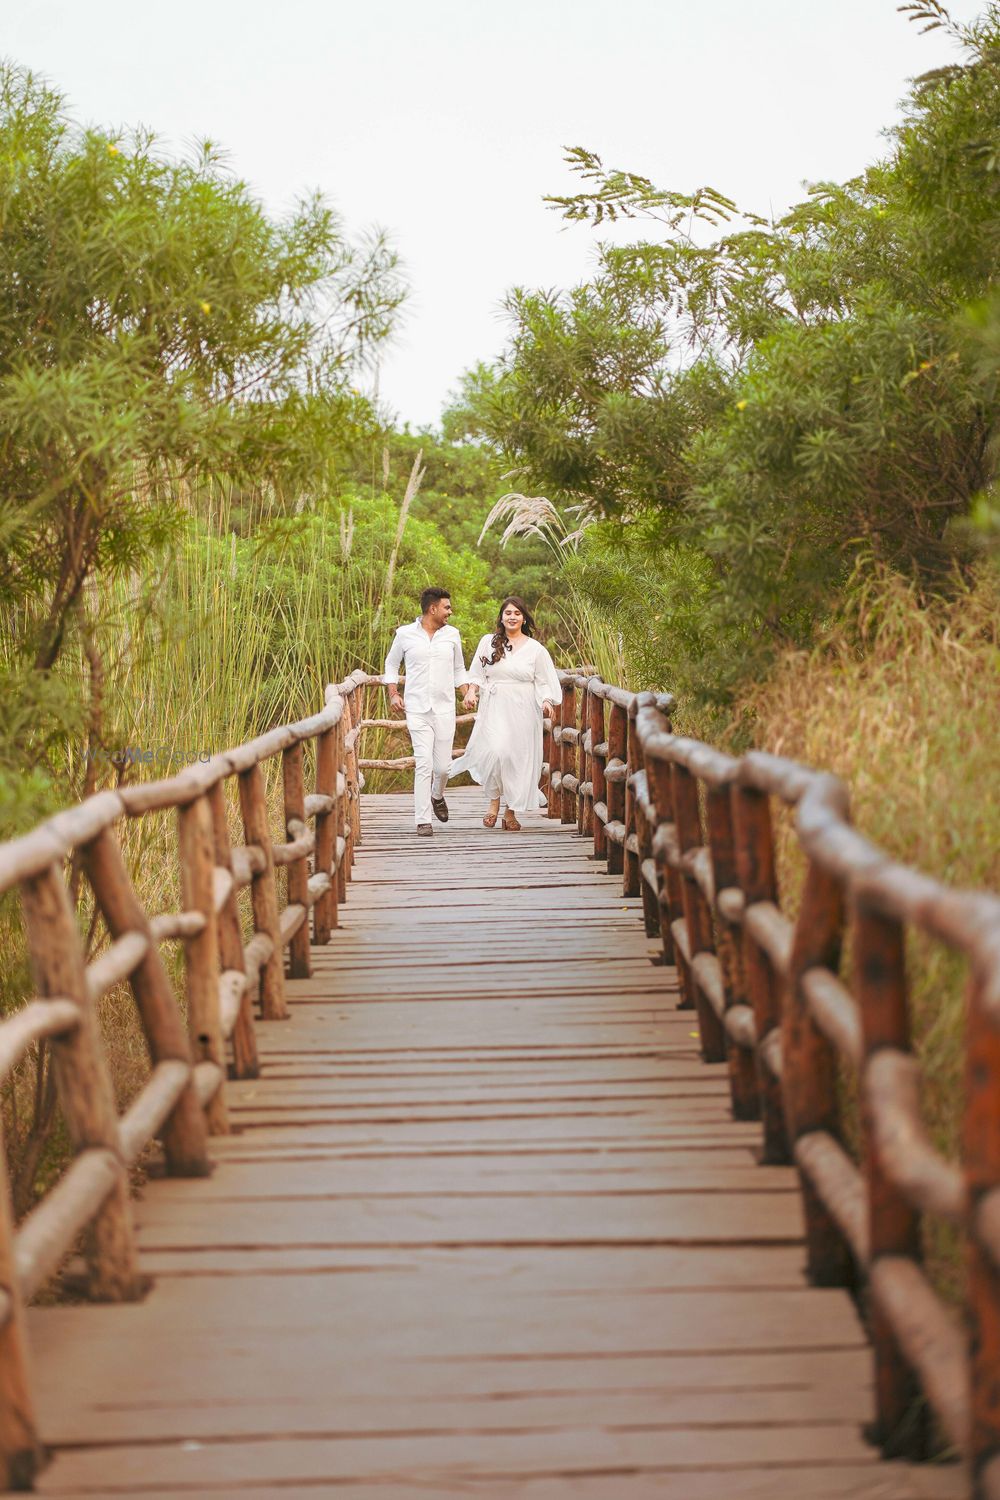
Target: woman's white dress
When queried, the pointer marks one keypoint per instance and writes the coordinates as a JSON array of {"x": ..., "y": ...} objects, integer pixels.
[{"x": 504, "y": 753}]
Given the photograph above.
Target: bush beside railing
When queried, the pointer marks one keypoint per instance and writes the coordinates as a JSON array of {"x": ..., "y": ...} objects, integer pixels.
[{"x": 689, "y": 829}]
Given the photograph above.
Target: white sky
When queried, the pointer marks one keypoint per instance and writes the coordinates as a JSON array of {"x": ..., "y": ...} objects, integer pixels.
[{"x": 444, "y": 120}]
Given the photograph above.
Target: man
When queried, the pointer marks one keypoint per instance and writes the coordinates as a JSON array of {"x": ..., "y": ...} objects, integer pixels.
[{"x": 431, "y": 650}]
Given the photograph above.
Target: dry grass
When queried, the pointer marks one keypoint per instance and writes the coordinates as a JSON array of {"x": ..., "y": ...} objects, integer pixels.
[
  {"x": 909, "y": 719},
  {"x": 534, "y": 515}
]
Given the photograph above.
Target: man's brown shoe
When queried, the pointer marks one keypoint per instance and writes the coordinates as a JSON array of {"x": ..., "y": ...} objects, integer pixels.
[
  {"x": 439, "y": 807},
  {"x": 425, "y": 830}
]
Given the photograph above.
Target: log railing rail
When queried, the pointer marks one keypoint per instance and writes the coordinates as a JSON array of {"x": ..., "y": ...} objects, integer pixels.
[
  {"x": 691, "y": 830},
  {"x": 687, "y": 829},
  {"x": 396, "y": 727},
  {"x": 183, "y": 1100}
]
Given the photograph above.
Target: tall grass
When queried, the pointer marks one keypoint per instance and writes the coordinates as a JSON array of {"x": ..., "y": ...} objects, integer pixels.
[
  {"x": 235, "y": 634},
  {"x": 903, "y": 702},
  {"x": 635, "y": 612}
]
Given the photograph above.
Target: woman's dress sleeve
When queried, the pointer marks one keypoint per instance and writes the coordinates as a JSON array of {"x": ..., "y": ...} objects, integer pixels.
[
  {"x": 476, "y": 674},
  {"x": 548, "y": 688}
]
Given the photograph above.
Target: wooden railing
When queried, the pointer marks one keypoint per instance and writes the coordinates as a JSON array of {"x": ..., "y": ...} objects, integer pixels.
[
  {"x": 687, "y": 829},
  {"x": 183, "y": 1101},
  {"x": 691, "y": 831},
  {"x": 395, "y": 727}
]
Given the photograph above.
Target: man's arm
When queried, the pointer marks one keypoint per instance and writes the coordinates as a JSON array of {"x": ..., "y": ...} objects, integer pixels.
[{"x": 390, "y": 672}]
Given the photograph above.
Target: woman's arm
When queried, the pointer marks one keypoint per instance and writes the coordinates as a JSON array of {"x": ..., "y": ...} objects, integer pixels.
[
  {"x": 548, "y": 688},
  {"x": 476, "y": 676}
]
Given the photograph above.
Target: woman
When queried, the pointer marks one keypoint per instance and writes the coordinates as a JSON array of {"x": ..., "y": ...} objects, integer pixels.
[{"x": 518, "y": 685}]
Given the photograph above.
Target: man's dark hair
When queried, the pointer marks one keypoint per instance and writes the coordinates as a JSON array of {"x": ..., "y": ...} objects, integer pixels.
[{"x": 431, "y": 596}]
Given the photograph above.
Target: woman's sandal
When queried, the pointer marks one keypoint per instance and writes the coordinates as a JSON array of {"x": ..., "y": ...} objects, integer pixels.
[
  {"x": 510, "y": 822},
  {"x": 490, "y": 819}
]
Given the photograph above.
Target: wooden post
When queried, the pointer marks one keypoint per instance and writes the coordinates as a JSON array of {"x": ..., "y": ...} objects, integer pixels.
[
  {"x": 981, "y": 1163},
  {"x": 360, "y": 713},
  {"x": 352, "y": 790},
  {"x": 879, "y": 980},
  {"x": 587, "y": 763},
  {"x": 83, "y": 1082},
  {"x": 196, "y": 844},
  {"x": 567, "y": 806},
  {"x": 617, "y": 750},
  {"x": 697, "y": 916},
  {"x": 651, "y": 909},
  {"x": 755, "y": 863},
  {"x": 299, "y": 966},
  {"x": 598, "y": 760},
  {"x": 742, "y": 1066},
  {"x": 328, "y": 825},
  {"x": 184, "y": 1134},
  {"x": 230, "y": 938},
  {"x": 547, "y": 760},
  {"x": 349, "y": 791},
  {"x": 354, "y": 782},
  {"x": 342, "y": 824},
  {"x": 809, "y": 1066},
  {"x": 21, "y": 1452},
  {"x": 658, "y": 771},
  {"x": 631, "y": 878},
  {"x": 264, "y": 893},
  {"x": 555, "y": 762},
  {"x": 582, "y": 819}
]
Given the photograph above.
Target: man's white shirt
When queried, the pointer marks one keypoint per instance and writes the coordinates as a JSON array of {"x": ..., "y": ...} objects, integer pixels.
[{"x": 435, "y": 667}]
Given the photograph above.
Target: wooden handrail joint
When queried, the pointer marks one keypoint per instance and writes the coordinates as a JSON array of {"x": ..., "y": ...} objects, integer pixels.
[{"x": 34, "y": 1022}]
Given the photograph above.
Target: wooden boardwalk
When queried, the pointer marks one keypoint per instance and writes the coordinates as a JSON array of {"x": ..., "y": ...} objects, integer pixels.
[{"x": 484, "y": 1227}]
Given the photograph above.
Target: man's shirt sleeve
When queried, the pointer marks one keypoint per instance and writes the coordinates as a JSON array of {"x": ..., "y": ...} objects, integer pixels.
[{"x": 390, "y": 673}]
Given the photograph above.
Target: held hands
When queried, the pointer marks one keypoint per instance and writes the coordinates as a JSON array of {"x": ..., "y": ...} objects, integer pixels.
[{"x": 469, "y": 698}]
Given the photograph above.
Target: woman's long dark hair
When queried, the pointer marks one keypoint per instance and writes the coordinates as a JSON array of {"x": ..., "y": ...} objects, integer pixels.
[{"x": 500, "y": 643}]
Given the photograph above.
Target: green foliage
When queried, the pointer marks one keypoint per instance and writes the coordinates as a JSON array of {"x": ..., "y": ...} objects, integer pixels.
[
  {"x": 637, "y": 614},
  {"x": 588, "y": 411},
  {"x": 461, "y": 482},
  {"x": 155, "y": 325},
  {"x": 152, "y": 315},
  {"x": 785, "y": 400},
  {"x": 626, "y": 195},
  {"x": 228, "y": 634}
]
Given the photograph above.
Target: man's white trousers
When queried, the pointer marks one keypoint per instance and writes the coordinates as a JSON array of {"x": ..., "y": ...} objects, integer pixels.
[{"x": 433, "y": 735}]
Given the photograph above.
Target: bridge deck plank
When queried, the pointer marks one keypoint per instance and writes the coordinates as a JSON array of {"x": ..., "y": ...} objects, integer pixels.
[{"x": 484, "y": 1227}]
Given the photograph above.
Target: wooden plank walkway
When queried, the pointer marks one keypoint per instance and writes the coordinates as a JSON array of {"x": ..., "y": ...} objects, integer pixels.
[{"x": 484, "y": 1228}]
